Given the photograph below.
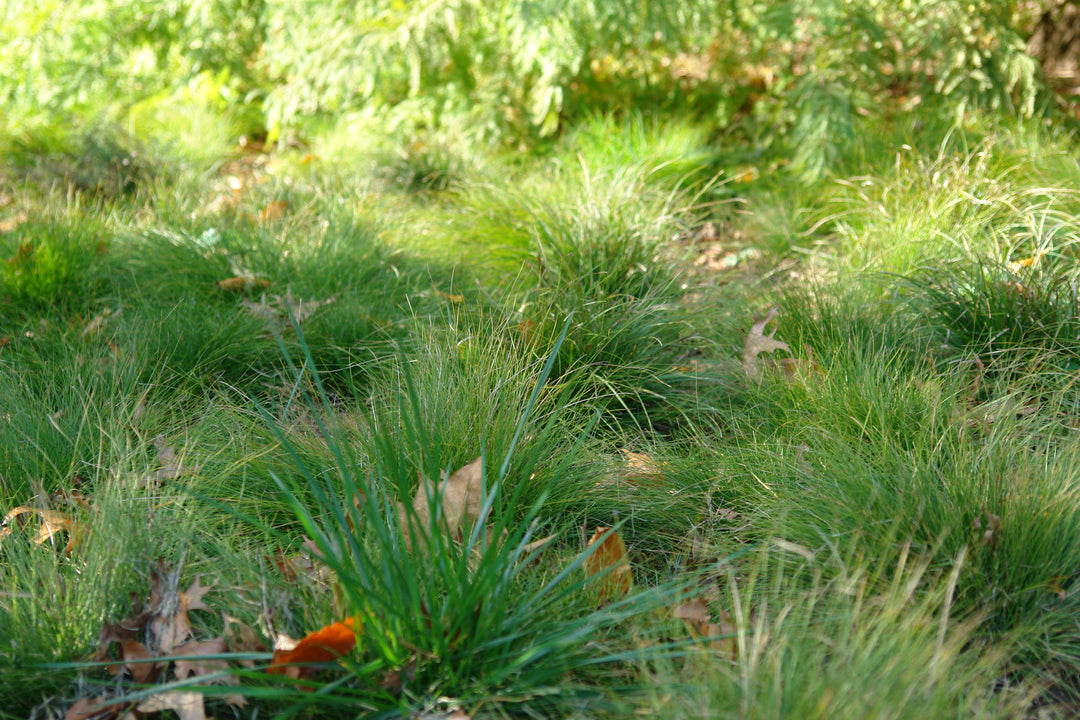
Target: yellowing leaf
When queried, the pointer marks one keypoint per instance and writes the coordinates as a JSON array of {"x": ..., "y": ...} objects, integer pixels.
[
  {"x": 758, "y": 342},
  {"x": 452, "y": 297},
  {"x": 609, "y": 561}
]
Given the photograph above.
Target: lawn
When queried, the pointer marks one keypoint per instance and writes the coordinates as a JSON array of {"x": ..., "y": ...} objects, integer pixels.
[{"x": 635, "y": 419}]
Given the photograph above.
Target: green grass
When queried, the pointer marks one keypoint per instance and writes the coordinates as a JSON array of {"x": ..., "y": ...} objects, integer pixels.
[{"x": 885, "y": 517}]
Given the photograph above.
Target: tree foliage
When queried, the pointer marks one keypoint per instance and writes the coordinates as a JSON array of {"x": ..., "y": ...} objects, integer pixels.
[{"x": 507, "y": 71}]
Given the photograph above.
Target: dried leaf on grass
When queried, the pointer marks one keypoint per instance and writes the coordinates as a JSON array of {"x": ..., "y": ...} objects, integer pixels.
[
  {"x": 171, "y": 467},
  {"x": 610, "y": 563},
  {"x": 52, "y": 522},
  {"x": 323, "y": 645},
  {"x": 188, "y": 705},
  {"x": 165, "y": 629},
  {"x": 989, "y": 523},
  {"x": 92, "y": 328},
  {"x": 241, "y": 638},
  {"x": 640, "y": 469},
  {"x": 184, "y": 669},
  {"x": 720, "y": 635},
  {"x": 453, "y": 298},
  {"x": 758, "y": 342},
  {"x": 306, "y": 565},
  {"x": 242, "y": 283},
  {"x": 11, "y": 223},
  {"x": 276, "y": 311},
  {"x": 92, "y": 709},
  {"x": 459, "y": 496},
  {"x": 274, "y": 210}
]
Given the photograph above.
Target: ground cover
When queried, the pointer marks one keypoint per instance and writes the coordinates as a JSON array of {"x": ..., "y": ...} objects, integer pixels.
[{"x": 647, "y": 412}]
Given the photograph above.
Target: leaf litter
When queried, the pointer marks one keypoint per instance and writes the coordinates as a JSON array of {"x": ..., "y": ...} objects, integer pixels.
[{"x": 145, "y": 644}]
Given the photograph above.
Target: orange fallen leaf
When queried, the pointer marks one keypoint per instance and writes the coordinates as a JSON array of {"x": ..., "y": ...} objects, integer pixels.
[
  {"x": 1017, "y": 265},
  {"x": 273, "y": 210},
  {"x": 324, "y": 645},
  {"x": 52, "y": 522},
  {"x": 609, "y": 560}
]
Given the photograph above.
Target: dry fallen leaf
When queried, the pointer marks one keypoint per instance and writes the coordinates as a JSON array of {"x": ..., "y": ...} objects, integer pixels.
[
  {"x": 94, "y": 326},
  {"x": 273, "y": 211},
  {"x": 52, "y": 522},
  {"x": 135, "y": 657},
  {"x": 454, "y": 298},
  {"x": 92, "y": 709},
  {"x": 991, "y": 522},
  {"x": 758, "y": 342},
  {"x": 169, "y": 625},
  {"x": 324, "y": 645},
  {"x": 1016, "y": 266},
  {"x": 23, "y": 255},
  {"x": 241, "y": 638},
  {"x": 460, "y": 501},
  {"x": 188, "y": 705},
  {"x": 188, "y": 668},
  {"x": 13, "y": 222},
  {"x": 1055, "y": 586},
  {"x": 243, "y": 283},
  {"x": 171, "y": 467},
  {"x": 695, "y": 612},
  {"x": 609, "y": 560},
  {"x": 720, "y": 635},
  {"x": 276, "y": 311}
]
